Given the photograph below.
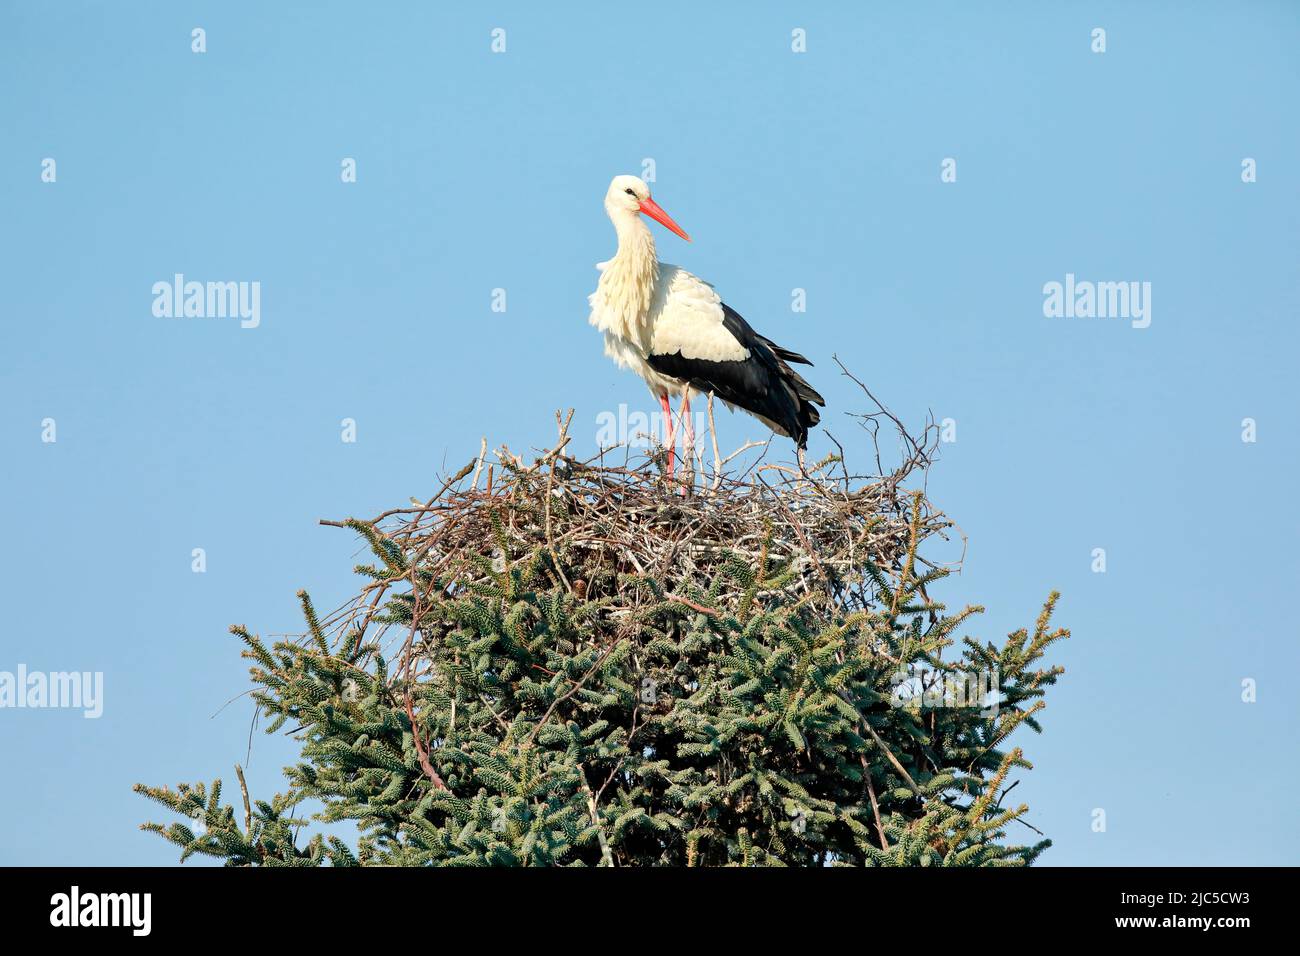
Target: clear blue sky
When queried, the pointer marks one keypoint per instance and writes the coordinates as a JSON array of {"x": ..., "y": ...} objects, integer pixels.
[{"x": 818, "y": 170}]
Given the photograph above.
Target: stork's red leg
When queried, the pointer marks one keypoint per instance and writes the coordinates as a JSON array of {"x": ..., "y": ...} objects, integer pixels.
[
  {"x": 688, "y": 439},
  {"x": 668, "y": 429}
]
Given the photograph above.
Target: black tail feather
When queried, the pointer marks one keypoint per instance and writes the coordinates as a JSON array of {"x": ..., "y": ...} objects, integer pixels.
[{"x": 785, "y": 354}]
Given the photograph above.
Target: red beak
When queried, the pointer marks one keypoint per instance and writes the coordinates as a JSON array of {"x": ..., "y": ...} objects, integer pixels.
[{"x": 652, "y": 209}]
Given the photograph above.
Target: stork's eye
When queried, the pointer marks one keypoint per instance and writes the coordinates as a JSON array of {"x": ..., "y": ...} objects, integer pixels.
[{"x": 630, "y": 193}]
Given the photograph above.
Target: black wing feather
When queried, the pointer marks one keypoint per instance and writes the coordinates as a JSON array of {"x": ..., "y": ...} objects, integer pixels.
[{"x": 763, "y": 384}]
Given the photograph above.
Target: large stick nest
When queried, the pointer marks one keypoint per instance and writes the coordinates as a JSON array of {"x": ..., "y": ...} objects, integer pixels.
[{"x": 605, "y": 519}]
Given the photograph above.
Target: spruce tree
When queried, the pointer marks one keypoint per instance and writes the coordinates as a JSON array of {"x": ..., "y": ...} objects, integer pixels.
[{"x": 579, "y": 665}]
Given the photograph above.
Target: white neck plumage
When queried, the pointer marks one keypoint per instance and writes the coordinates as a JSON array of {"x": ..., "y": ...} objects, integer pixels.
[{"x": 628, "y": 281}]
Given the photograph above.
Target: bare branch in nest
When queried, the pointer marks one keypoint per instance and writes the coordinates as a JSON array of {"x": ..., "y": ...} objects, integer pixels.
[{"x": 919, "y": 452}]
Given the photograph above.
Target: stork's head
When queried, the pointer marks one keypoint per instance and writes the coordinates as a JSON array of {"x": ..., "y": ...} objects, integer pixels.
[{"x": 629, "y": 196}]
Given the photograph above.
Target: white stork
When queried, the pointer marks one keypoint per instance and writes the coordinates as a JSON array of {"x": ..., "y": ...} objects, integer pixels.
[{"x": 672, "y": 329}]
